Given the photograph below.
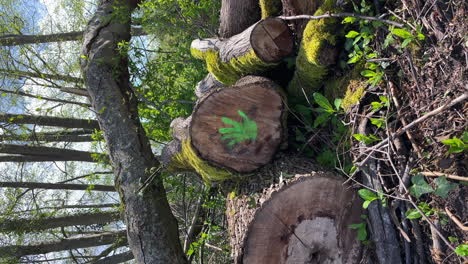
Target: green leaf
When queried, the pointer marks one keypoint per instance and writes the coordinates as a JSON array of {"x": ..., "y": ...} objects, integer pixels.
[
  {"x": 321, "y": 119},
  {"x": 323, "y": 102},
  {"x": 456, "y": 145},
  {"x": 348, "y": 20},
  {"x": 337, "y": 103},
  {"x": 412, "y": 214},
  {"x": 462, "y": 250},
  {"x": 366, "y": 139},
  {"x": 368, "y": 196},
  {"x": 378, "y": 122},
  {"x": 402, "y": 33},
  {"x": 247, "y": 130},
  {"x": 420, "y": 186},
  {"x": 352, "y": 34},
  {"x": 406, "y": 42},
  {"x": 4, "y": 94},
  {"x": 465, "y": 137},
  {"x": 368, "y": 73},
  {"x": 444, "y": 186},
  {"x": 384, "y": 100},
  {"x": 452, "y": 239},
  {"x": 376, "y": 106}
]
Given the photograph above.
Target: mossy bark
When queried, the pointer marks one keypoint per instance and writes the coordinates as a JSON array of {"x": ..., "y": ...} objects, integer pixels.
[
  {"x": 259, "y": 48},
  {"x": 316, "y": 53}
]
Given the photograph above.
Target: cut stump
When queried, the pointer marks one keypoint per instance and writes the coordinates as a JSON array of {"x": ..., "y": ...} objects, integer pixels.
[{"x": 301, "y": 220}]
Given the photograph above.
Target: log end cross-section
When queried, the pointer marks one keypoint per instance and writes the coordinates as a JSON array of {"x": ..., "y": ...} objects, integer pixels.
[
  {"x": 240, "y": 127},
  {"x": 304, "y": 221}
]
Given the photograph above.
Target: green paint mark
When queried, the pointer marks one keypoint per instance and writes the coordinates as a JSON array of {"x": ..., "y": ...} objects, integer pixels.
[{"x": 247, "y": 130}]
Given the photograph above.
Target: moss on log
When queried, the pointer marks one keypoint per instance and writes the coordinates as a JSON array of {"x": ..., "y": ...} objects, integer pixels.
[
  {"x": 316, "y": 53},
  {"x": 259, "y": 48}
]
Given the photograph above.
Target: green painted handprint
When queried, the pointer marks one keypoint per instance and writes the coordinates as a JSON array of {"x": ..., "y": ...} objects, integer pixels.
[{"x": 239, "y": 131}]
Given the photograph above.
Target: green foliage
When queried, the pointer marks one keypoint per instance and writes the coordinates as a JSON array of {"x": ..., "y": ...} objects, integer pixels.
[
  {"x": 424, "y": 207},
  {"x": 462, "y": 250},
  {"x": 247, "y": 130},
  {"x": 457, "y": 145},
  {"x": 368, "y": 196},
  {"x": 420, "y": 186},
  {"x": 366, "y": 139},
  {"x": 444, "y": 186},
  {"x": 361, "y": 229}
]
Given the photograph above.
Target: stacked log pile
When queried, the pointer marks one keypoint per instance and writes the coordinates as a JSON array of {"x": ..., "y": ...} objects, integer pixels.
[{"x": 280, "y": 208}]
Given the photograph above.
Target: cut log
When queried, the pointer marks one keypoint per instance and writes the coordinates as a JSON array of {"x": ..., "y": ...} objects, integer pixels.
[
  {"x": 300, "y": 7},
  {"x": 236, "y": 16},
  {"x": 258, "y": 48},
  {"x": 236, "y": 129},
  {"x": 206, "y": 85},
  {"x": 303, "y": 219}
]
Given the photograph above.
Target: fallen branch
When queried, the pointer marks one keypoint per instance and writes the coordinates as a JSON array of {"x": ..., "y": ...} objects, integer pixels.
[{"x": 331, "y": 15}]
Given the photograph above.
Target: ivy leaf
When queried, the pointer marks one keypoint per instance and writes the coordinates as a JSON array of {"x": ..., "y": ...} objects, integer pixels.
[
  {"x": 247, "y": 130},
  {"x": 444, "y": 186},
  {"x": 420, "y": 186}
]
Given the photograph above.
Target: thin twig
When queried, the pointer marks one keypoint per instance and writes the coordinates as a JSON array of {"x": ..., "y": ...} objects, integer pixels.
[
  {"x": 436, "y": 111},
  {"x": 331, "y": 15},
  {"x": 440, "y": 174},
  {"x": 456, "y": 221}
]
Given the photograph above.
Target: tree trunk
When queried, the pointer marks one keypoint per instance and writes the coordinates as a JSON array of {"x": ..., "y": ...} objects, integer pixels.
[
  {"x": 63, "y": 244},
  {"x": 38, "y": 224},
  {"x": 46, "y": 76},
  {"x": 258, "y": 48},
  {"x": 47, "y": 138},
  {"x": 152, "y": 229},
  {"x": 58, "y": 186},
  {"x": 117, "y": 258},
  {"x": 238, "y": 128},
  {"x": 287, "y": 213},
  {"x": 49, "y": 121},
  {"x": 237, "y": 15},
  {"x": 14, "y": 40},
  {"x": 300, "y": 7},
  {"x": 57, "y": 154},
  {"x": 45, "y": 98}
]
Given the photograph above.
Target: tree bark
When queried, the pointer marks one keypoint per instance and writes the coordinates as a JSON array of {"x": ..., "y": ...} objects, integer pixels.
[
  {"x": 152, "y": 229},
  {"x": 49, "y": 121},
  {"x": 43, "y": 223},
  {"x": 300, "y": 7},
  {"x": 59, "y": 186},
  {"x": 290, "y": 212},
  {"x": 15, "y": 40},
  {"x": 237, "y": 15},
  {"x": 44, "y": 98},
  {"x": 47, "y": 152},
  {"x": 63, "y": 244}
]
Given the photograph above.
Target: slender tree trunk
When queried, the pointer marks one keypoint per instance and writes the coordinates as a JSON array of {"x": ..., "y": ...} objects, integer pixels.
[
  {"x": 44, "y": 98},
  {"x": 152, "y": 228},
  {"x": 49, "y": 121},
  {"x": 48, "y": 152},
  {"x": 56, "y": 77},
  {"x": 58, "y": 186},
  {"x": 63, "y": 244},
  {"x": 14, "y": 40},
  {"x": 47, "y": 138},
  {"x": 117, "y": 258},
  {"x": 38, "y": 224}
]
